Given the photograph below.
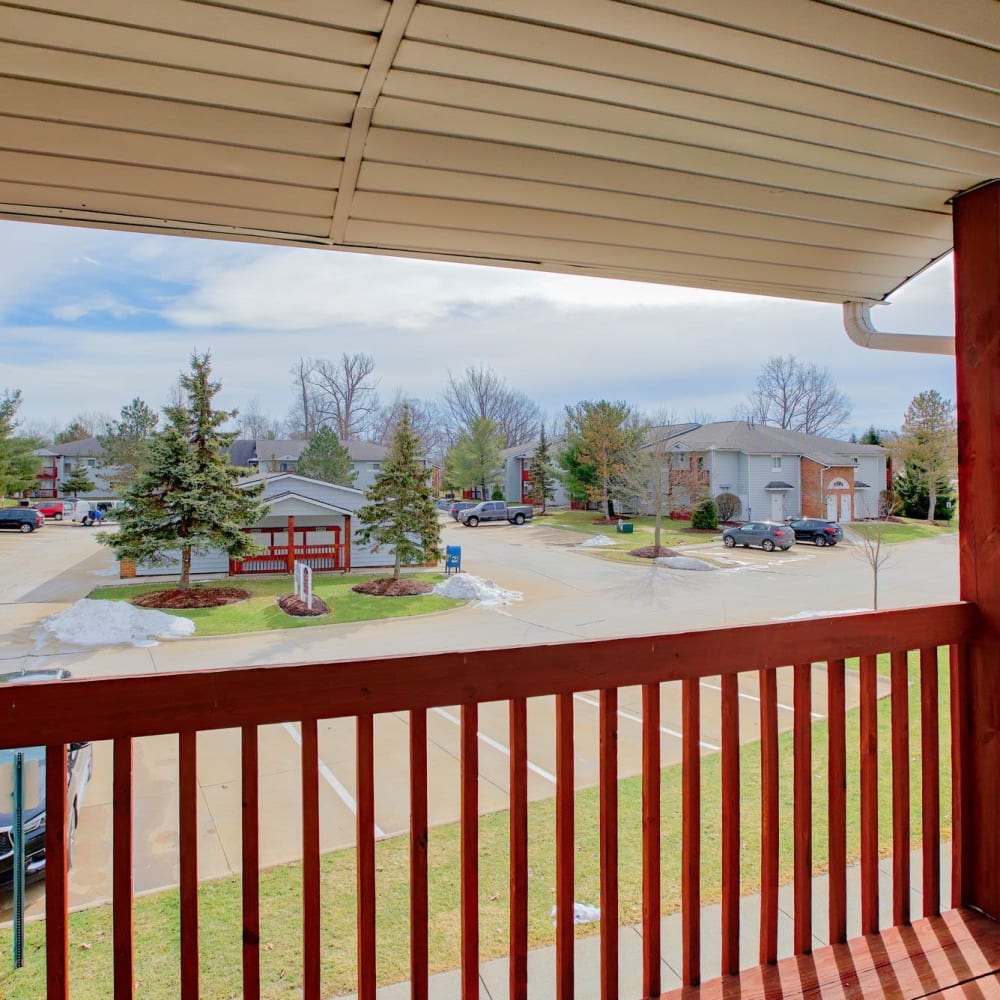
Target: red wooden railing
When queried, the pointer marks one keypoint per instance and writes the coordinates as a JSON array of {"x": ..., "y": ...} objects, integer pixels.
[
  {"x": 122, "y": 709},
  {"x": 275, "y": 559}
]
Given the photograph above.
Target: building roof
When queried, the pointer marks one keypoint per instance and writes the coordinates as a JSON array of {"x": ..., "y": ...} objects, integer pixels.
[
  {"x": 289, "y": 449},
  {"x": 86, "y": 447},
  {"x": 760, "y": 439},
  {"x": 800, "y": 149}
]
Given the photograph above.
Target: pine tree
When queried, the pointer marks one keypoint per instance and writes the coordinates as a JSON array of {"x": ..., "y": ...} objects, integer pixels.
[
  {"x": 327, "y": 459},
  {"x": 18, "y": 464},
  {"x": 78, "y": 481},
  {"x": 401, "y": 510},
  {"x": 543, "y": 478},
  {"x": 126, "y": 442},
  {"x": 188, "y": 498},
  {"x": 927, "y": 444}
]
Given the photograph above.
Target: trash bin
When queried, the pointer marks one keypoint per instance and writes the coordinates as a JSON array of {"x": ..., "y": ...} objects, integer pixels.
[
  {"x": 452, "y": 559},
  {"x": 626, "y": 527}
]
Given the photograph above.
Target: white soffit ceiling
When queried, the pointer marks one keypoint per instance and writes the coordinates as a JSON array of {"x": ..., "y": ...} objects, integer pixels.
[{"x": 800, "y": 148}]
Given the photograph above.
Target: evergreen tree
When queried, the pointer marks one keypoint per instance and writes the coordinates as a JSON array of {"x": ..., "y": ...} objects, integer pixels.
[
  {"x": 126, "y": 443},
  {"x": 927, "y": 445},
  {"x": 401, "y": 510},
  {"x": 327, "y": 459},
  {"x": 78, "y": 481},
  {"x": 706, "y": 515},
  {"x": 543, "y": 478},
  {"x": 913, "y": 495},
  {"x": 474, "y": 459},
  {"x": 18, "y": 464},
  {"x": 872, "y": 436},
  {"x": 577, "y": 475},
  {"x": 188, "y": 497}
]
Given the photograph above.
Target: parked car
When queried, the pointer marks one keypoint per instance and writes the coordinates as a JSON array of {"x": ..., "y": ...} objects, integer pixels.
[
  {"x": 51, "y": 508},
  {"x": 457, "y": 506},
  {"x": 816, "y": 530},
  {"x": 766, "y": 534},
  {"x": 80, "y": 763},
  {"x": 21, "y": 519}
]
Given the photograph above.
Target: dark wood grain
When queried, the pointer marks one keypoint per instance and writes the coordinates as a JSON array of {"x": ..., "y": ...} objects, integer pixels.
[
  {"x": 651, "y": 947},
  {"x": 419, "y": 964},
  {"x": 518, "y": 978},
  {"x": 730, "y": 713},
  {"x": 900, "y": 740},
  {"x": 691, "y": 834},
  {"x": 122, "y": 870},
  {"x": 837, "y": 800}
]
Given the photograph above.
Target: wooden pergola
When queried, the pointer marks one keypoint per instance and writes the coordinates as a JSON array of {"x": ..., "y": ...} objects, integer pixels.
[{"x": 825, "y": 150}]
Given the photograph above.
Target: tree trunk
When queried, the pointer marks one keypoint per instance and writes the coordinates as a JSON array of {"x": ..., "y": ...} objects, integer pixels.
[
  {"x": 185, "y": 580},
  {"x": 395, "y": 569},
  {"x": 932, "y": 501}
]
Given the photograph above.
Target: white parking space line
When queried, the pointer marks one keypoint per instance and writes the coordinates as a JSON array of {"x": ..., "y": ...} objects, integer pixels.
[
  {"x": 490, "y": 742},
  {"x": 753, "y": 697},
  {"x": 331, "y": 779},
  {"x": 638, "y": 718}
]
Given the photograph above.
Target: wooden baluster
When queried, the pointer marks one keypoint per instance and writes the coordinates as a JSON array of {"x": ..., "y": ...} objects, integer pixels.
[
  {"x": 769, "y": 817},
  {"x": 931, "y": 781},
  {"x": 958, "y": 691},
  {"x": 251, "y": 864},
  {"x": 564, "y": 847},
  {"x": 470, "y": 851},
  {"x": 802, "y": 807},
  {"x": 837, "y": 804},
  {"x": 187, "y": 745},
  {"x": 691, "y": 833},
  {"x": 518, "y": 987},
  {"x": 311, "y": 946},
  {"x": 608, "y": 750},
  {"x": 730, "y": 824},
  {"x": 419, "y": 967},
  {"x": 869, "y": 795},
  {"x": 651, "y": 947},
  {"x": 365, "y": 762},
  {"x": 900, "y": 787},
  {"x": 56, "y": 874},
  {"x": 122, "y": 866}
]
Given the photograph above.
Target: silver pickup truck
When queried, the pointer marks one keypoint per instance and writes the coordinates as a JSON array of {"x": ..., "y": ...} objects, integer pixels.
[{"x": 495, "y": 510}]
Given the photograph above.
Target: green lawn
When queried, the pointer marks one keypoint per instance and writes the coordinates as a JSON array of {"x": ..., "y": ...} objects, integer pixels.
[
  {"x": 905, "y": 530},
  {"x": 260, "y": 613},
  {"x": 671, "y": 532},
  {"x": 156, "y": 916}
]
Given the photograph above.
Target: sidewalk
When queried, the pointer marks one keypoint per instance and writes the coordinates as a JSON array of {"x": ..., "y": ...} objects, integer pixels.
[{"x": 493, "y": 975}]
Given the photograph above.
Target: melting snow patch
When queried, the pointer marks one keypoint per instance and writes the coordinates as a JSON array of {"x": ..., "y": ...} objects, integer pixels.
[
  {"x": 104, "y": 623},
  {"x": 467, "y": 587},
  {"x": 682, "y": 562},
  {"x": 582, "y": 914},
  {"x": 596, "y": 541},
  {"x": 821, "y": 614}
]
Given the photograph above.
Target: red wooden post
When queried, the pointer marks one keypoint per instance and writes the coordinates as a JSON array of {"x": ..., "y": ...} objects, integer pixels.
[
  {"x": 365, "y": 770},
  {"x": 769, "y": 833},
  {"x": 311, "y": 927},
  {"x": 290, "y": 553},
  {"x": 518, "y": 984},
  {"x": 564, "y": 847},
  {"x": 470, "y": 851},
  {"x": 930, "y": 755},
  {"x": 802, "y": 807},
  {"x": 251, "y": 862},
  {"x": 730, "y": 824},
  {"x": 837, "y": 752},
  {"x": 977, "y": 356},
  {"x": 122, "y": 866},
  {"x": 651, "y": 840},
  {"x": 347, "y": 543},
  {"x": 900, "y": 788},
  {"x": 419, "y": 986},
  {"x": 56, "y": 875},
  {"x": 868, "y": 758},
  {"x": 609, "y": 842},
  {"x": 691, "y": 833},
  {"x": 187, "y": 751}
]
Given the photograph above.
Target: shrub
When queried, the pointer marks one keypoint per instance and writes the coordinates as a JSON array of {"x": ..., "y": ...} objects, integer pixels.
[
  {"x": 727, "y": 505},
  {"x": 706, "y": 515},
  {"x": 497, "y": 493}
]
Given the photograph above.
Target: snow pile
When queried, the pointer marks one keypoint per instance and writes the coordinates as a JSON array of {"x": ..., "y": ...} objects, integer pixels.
[
  {"x": 104, "y": 623},
  {"x": 466, "y": 587},
  {"x": 596, "y": 541},
  {"x": 682, "y": 562},
  {"x": 582, "y": 914}
]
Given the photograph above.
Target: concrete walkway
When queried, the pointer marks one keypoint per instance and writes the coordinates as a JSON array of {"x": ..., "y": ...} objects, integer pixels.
[{"x": 494, "y": 975}]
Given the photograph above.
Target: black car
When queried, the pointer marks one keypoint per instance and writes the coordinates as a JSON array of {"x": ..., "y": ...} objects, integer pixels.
[
  {"x": 79, "y": 764},
  {"x": 21, "y": 519},
  {"x": 817, "y": 531}
]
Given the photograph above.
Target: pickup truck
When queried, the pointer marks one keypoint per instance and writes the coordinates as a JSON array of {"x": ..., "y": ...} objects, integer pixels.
[{"x": 495, "y": 510}]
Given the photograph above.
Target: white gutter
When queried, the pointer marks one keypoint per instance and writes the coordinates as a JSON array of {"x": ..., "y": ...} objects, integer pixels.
[{"x": 858, "y": 324}]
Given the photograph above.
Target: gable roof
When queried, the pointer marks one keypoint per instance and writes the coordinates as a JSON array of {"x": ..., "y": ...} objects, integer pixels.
[
  {"x": 289, "y": 479},
  {"x": 290, "y": 450},
  {"x": 86, "y": 447},
  {"x": 800, "y": 149}
]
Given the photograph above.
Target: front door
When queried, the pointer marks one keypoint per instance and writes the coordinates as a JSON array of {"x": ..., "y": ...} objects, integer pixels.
[
  {"x": 777, "y": 506},
  {"x": 831, "y": 507},
  {"x": 845, "y": 506}
]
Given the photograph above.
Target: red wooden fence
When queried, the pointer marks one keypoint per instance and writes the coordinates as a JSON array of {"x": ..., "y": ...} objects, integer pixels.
[{"x": 122, "y": 709}]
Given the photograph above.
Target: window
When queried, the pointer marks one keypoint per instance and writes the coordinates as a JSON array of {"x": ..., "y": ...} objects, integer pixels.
[
  {"x": 776, "y": 462},
  {"x": 91, "y": 463},
  {"x": 376, "y": 466},
  {"x": 701, "y": 462}
]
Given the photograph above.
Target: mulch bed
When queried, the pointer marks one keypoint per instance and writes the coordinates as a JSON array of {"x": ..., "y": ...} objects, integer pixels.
[
  {"x": 652, "y": 552},
  {"x": 296, "y": 606},
  {"x": 193, "y": 597},
  {"x": 386, "y": 586}
]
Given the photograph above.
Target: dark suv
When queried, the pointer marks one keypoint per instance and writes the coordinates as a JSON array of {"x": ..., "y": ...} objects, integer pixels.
[
  {"x": 817, "y": 531},
  {"x": 80, "y": 764},
  {"x": 21, "y": 518}
]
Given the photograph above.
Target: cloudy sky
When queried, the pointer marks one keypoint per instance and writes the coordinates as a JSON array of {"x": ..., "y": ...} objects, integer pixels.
[{"x": 90, "y": 319}]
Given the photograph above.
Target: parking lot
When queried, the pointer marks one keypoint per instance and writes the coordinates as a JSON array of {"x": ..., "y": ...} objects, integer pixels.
[{"x": 568, "y": 595}]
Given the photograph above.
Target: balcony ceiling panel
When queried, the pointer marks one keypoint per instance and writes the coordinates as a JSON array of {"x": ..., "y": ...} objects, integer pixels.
[{"x": 806, "y": 148}]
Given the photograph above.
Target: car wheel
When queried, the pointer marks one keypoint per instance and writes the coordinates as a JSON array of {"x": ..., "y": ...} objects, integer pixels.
[
  {"x": 519, "y": 519},
  {"x": 25, "y": 528},
  {"x": 729, "y": 542},
  {"x": 819, "y": 541},
  {"x": 472, "y": 522},
  {"x": 767, "y": 545},
  {"x": 58, "y": 517}
]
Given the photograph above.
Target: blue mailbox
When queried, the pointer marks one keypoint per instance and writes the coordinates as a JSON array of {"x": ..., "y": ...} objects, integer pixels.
[{"x": 453, "y": 559}]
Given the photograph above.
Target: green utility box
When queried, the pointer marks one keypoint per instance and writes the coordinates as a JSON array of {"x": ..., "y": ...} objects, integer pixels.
[{"x": 626, "y": 527}]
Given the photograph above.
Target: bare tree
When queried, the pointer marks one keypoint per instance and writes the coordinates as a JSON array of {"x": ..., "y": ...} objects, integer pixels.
[
  {"x": 873, "y": 547},
  {"x": 797, "y": 397},
  {"x": 425, "y": 422},
  {"x": 83, "y": 426},
  {"x": 302, "y": 418},
  {"x": 481, "y": 392},
  {"x": 258, "y": 424},
  {"x": 343, "y": 394},
  {"x": 656, "y": 456}
]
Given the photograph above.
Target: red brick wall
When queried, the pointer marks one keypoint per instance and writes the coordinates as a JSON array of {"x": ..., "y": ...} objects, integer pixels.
[{"x": 815, "y": 480}]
